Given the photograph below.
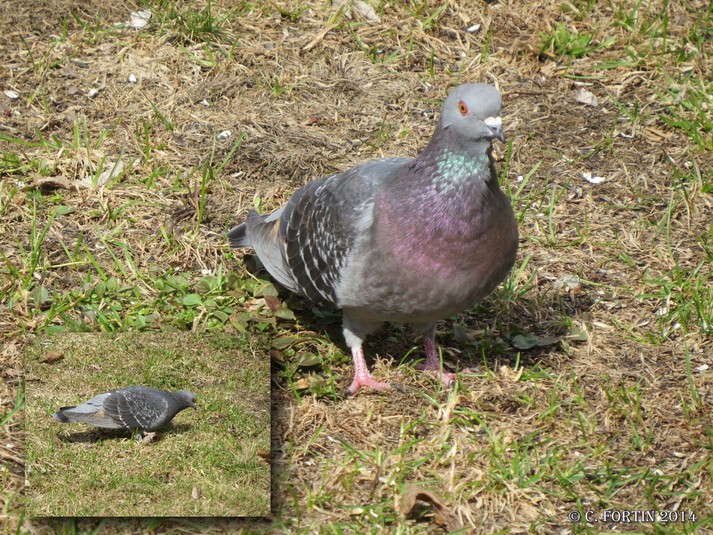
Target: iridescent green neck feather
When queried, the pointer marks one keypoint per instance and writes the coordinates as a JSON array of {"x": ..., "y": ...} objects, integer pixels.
[{"x": 455, "y": 169}]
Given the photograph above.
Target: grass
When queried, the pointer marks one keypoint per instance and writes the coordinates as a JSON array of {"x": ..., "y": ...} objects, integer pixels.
[
  {"x": 204, "y": 464},
  {"x": 583, "y": 381},
  {"x": 191, "y": 24},
  {"x": 562, "y": 41}
]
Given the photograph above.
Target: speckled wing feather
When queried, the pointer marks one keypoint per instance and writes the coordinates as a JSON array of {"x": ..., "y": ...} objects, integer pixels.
[
  {"x": 322, "y": 222},
  {"x": 306, "y": 244},
  {"x": 138, "y": 408}
]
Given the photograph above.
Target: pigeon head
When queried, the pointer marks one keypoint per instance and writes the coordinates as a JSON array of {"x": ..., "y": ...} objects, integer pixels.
[
  {"x": 472, "y": 111},
  {"x": 185, "y": 398}
]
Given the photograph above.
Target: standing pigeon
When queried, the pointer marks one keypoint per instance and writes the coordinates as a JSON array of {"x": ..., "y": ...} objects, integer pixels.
[
  {"x": 134, "y": 407},
  {"x": 412, "y": 240}
]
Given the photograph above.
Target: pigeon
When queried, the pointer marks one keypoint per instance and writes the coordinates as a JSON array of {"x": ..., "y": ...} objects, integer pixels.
[
  {"x": 411, "y": 240},
  {"x": 133, "y": 407}
]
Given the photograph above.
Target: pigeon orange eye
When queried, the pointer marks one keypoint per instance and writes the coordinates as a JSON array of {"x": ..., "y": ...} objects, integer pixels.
[{"x": 462, "y": 108}]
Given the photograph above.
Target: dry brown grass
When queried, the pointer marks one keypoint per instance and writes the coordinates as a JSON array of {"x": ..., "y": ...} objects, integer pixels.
[{"x": 621, "y": 421}]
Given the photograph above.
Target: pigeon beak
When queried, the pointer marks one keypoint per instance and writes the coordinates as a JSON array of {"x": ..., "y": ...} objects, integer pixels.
[{"x": 495, "y": 124}]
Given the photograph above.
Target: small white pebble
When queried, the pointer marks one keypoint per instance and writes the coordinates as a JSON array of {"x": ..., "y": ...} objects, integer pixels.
[
  {"x": 93, "y": 92},
  {"x": 587, "y": 97},
  {"x": 204, "y": 102},
  {"x": 13, "y": 95},
  {"x": 139, "y": 19},
  {"x": 225, "y": 134},
  {"x": 519, "y": 178},
  {"x": 8, "y": 446},
  {"x": 132, "y": 78},
  {"x": 366, "y": 11},
  {"x": 568, "y": 283},
  {"x": 702, "y": 367},
  {"x": 592, "y": 179},
  {"x": 474, "y": 28}
]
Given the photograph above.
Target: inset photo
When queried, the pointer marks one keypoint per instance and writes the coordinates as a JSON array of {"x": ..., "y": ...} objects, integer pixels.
[{"x": 147, "y": 425}]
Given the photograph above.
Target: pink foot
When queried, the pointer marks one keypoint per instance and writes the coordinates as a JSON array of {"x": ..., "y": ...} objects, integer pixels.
[
  {"x": 362, "y": 377},
  {"x": 447, "y": 378},
  {"x": 367, "y": 381},
  {"x": 432, "y": 366}
]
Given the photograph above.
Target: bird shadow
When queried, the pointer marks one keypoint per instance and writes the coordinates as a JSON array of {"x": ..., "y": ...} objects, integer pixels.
[
  {"x": 398, "y": 339},
  {"x": 499, "y": 333},
  {"x": 100, "y": 435}
]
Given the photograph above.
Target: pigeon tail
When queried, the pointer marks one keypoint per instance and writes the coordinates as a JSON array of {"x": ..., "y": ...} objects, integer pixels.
[
  {"x": 263, "y": 234},
  {"x": 238, "y": 236},
  {"x": 60, "y": 416}
]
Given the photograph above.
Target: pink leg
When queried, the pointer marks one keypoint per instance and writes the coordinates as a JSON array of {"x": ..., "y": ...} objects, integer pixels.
[
  {"x": 433, "y": 363},
  {"x": 362, "y": 377}
]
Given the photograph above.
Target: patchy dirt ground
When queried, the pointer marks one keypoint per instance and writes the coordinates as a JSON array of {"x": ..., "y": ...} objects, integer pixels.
[{"x": 591, "y": 377}]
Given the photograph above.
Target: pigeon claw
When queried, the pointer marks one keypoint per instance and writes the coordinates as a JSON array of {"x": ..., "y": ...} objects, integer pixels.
[
  {"x": 366, "y": 381},
  {"x": 448, "y": 379}
]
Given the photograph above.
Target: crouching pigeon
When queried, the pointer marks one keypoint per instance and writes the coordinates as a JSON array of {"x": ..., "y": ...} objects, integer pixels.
[
  {"x": 134, "y": 407},
  {"x": 411, "y": 240}
]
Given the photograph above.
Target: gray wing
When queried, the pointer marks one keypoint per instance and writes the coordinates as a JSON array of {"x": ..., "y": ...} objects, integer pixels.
[
  {"x": 138, "y": 407},
  {"x": 306, "y": 244},
  {"x": 322, "y": 221},
  {"x": 90, "y": 412}
]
